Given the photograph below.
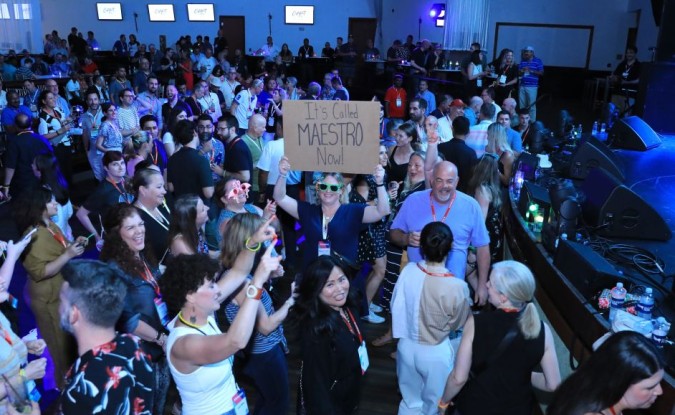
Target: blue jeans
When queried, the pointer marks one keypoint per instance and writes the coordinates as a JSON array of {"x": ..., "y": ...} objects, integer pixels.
[{"x": 269, "y": 372}]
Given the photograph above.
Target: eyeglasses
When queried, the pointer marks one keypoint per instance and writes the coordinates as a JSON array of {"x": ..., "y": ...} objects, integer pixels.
[
  {"x": 129, "y": 96},
  {"x": 325, "y": 187}
]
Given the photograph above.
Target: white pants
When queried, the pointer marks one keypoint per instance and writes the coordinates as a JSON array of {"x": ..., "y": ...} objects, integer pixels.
[{"x": 422, "y": 372}]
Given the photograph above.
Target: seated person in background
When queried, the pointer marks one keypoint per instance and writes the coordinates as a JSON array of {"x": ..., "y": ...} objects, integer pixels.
[
  {"x": 471, "y": 111},
  {"x": 341, "y": 93},
  {"x": 524, "y": 124},
  {"x": 477, "y": 138},
  {"x": 509, "y": 105},
  {"x": 423, "y": 92},
  {"x": 513, "y": 138},
  {"x": 488, "y": 96}
]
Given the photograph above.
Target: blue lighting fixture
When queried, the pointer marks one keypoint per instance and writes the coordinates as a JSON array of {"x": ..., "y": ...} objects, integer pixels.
[{"x": 437, "y": 13}]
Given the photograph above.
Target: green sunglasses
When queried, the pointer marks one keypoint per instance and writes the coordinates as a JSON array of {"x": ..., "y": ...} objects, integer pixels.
[{"x": 329, "y": 187}]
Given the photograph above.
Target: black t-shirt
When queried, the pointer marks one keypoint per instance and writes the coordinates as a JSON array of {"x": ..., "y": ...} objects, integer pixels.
[
  {"x": 419, "y": 57},
  {"x": 21, "y": 150},
  {"x": 157, "y": 234},
  {"x": 458, "y": 153},
  {"x": 106, "y": 195},
  {"x": 628, "y": 73},
  {"x": 189, "y": 172},
  {"x": 238, "y": 156}
]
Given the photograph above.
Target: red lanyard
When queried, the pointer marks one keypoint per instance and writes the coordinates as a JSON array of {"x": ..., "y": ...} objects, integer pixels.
[
  {"x": 150, "y": 279},
  {"x": 7, "y": 337},
  {"x": 434, "y": 274},
  {"x": 156, "y": 156},
  {"x": 611, "y": 410},
  {"x": 351, "y": 328},
  {"x": 123, "y": 193},
  {"x": 510, "y": 310},
  {"x": 58, "y": 236},
  {"x": 447, "y": 211}
]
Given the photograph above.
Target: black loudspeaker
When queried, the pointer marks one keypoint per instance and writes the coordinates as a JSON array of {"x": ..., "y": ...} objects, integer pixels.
[
  {"x": 591, "y": 154},
  {"x": 632, "y": 133},
  {"x": 587, "y": 270},
  {"x": 618, "y": 212},
  {"x": 654, "y": 101}
]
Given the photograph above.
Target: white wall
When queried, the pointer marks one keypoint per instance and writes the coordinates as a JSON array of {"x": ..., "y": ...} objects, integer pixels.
[
  {"x": 611, "y": 19},
  {"x": 331, "y": 19}
]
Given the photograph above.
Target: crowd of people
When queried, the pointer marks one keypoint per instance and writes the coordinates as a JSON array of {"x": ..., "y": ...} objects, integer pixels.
[{"x": 196, "y": 209}]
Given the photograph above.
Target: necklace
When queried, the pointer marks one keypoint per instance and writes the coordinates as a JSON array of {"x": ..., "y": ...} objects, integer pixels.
[{"x": 193, "y": 326}]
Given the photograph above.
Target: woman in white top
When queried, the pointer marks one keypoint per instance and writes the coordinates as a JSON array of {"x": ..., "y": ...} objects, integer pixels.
[
  {"x": 200, "y": 356},
  {"x": 475, "y": 72},
  {"x": 428, "y": 307},
  {"x": 177, "y": 114}
]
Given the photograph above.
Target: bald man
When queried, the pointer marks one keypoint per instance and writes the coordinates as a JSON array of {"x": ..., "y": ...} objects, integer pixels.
[
  {"x": 444, "y": 203},
  {"x": 509, "y": 105},
  {"x": 253, "y": 139}
]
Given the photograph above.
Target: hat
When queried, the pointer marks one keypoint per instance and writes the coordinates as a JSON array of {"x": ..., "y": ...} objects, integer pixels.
[
  {"x": 457, "y": 103},
  {"x": 528, "y": 49},
  {"x": 215, "y": 81}
]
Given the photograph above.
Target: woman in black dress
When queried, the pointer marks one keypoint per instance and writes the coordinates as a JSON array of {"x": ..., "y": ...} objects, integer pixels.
[
  {"x": 506, "y": 70},
  {"x": 332, "y": 343}
]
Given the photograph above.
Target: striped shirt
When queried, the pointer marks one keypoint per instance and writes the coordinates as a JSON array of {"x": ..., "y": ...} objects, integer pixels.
[
  {"x": 261, "y": 343},
  {"x": 534, "y": 65}
]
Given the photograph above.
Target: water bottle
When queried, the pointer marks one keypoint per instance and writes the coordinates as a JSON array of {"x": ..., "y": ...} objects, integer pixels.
[
  {"x": 594, "y": 131},
  {"x": 563, "y": 237},
  {"x": 603, "y": 128},
  {"x": 660, "y": 333},
  {"x": 646, "y": 304},
  {"x": 579, "y": 130},
  {"x": 616, "y": 303}
]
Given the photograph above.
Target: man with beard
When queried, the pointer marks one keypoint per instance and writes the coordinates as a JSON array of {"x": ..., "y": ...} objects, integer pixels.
[
  {"x": 91, "y": 122},
  {"x": 91, "y": 302},
  {"x": 443, "y": 202},
  {"x": 171, "y": 101},
  {"x": 148, "y": 102},
  {"x": 117, "y": 84},
  {"x": 417, "y": 108},
  {"x": 142, "y": 75},
  {"x": 210, "y": 148},
  {"x": 238, "y": 160}
]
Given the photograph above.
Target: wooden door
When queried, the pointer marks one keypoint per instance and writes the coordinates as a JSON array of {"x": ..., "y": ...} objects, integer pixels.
[
  {"x": 234, "y": 32},
  {"x": 362, "y": 29}
]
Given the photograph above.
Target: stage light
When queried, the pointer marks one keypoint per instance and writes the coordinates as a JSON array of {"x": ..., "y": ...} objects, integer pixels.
[{"x": 437, "y": 11}]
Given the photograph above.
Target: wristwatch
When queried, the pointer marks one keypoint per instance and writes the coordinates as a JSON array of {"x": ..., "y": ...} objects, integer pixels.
[{"x": 254, "y": 292}]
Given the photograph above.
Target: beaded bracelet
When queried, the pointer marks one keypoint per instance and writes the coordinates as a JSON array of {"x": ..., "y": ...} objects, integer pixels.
[{"x": 257, "y": 248}]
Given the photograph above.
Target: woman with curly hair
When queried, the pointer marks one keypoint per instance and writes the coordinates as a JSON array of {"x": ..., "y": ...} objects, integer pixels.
[
  {"x": 46, "y": 169},
  {"x": 332, "y": 343},
  {"x": 43, "y": 260},
  {"x": 200, "y": 356},
  {"x": 145, "y": 314},
  {"x": 265, "y": 360},
  {"x": 186, "y": 233}
]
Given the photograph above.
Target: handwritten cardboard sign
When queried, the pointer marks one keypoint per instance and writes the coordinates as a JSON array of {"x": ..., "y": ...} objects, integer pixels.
[{"x": 332, "y": 136}]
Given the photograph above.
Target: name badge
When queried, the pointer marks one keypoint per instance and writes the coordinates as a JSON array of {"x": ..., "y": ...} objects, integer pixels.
[
  {"x": 162, "y": 311},
  {"x": 399, "y": 103},
  {"x": 306, "y": 56},
  {"x": 324, "y": 248},
  {"x": 502, "y": 79},
  {"x": 479, "y": 83},
  {"x": 363, "y": 357},
  {"x": 239, "y": 402},
  {"x": 625, "y": 75},
  {"x": 32, "y": 391}
]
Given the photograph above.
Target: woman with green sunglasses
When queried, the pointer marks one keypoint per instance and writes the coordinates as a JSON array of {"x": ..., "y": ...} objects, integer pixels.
[{"x": 331, "y": 226}]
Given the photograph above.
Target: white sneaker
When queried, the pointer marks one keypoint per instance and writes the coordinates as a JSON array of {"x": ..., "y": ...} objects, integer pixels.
[
  {"x": 375, "y": 308},
  {"x": 373, "y": 318}
]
